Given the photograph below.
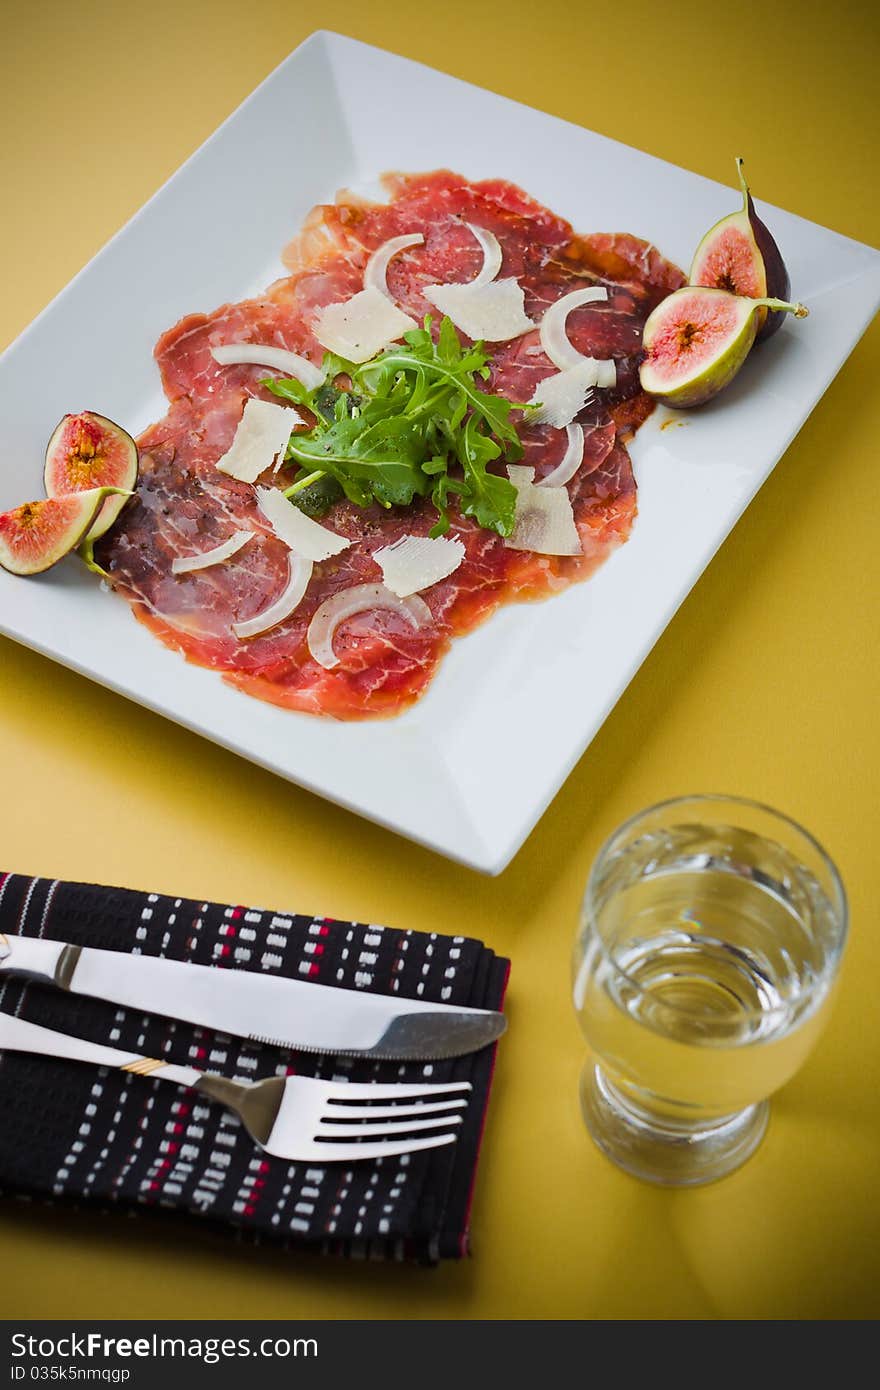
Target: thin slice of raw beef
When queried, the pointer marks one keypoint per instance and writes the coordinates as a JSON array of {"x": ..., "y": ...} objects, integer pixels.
[{"x": 184, "y": 505}]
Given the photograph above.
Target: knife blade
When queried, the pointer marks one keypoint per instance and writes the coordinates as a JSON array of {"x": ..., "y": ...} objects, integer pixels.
[{"x": 262, "y": 1007}]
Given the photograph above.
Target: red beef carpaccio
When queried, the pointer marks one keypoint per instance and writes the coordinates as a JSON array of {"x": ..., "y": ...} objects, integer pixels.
[{"x": 184, "y": 504}]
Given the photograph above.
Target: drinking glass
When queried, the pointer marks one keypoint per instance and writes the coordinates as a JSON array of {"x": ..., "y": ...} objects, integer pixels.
[{"x": 711, "y": 934}]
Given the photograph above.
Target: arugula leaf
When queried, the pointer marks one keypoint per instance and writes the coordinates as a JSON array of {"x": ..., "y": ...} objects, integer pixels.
[
  {"x": 289, "y": 389},
  {"x": 317, "y": 494},
  {"x": 414, "y": 422},
  {"x": 374, "y": 456},
  {"x": 445, "y": 487},
  {"x": 321, "y": 400},
  {"x": 489, "y": 499},
  {"x": 424, "y": 360}
]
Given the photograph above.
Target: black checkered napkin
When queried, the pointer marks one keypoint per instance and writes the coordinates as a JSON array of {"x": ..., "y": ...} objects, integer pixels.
[{"x": 71, "y": 1132}]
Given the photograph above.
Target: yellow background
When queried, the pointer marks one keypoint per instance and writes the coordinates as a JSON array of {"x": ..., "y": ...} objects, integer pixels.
[{"x": 765, "y": 684}]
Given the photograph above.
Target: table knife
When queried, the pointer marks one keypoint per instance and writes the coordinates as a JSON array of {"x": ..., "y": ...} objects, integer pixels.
[{"x": 249, "y": 1004}]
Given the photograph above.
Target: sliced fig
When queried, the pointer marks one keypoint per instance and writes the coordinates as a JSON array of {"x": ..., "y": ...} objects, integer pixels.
[
  {"x": 739, "y": 254},
  {"x": 697, "y": 339},
  {"x": 36, "y": 535},
  {"x": 87, "y": 451}
]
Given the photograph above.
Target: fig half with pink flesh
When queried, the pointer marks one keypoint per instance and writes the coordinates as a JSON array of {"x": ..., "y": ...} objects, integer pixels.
[
  {"x": 739, "y": 254},
  {"x": 36, "y": 535},
  {"x": 87, "y": 451},
  {"x": 697, "y": 339}
]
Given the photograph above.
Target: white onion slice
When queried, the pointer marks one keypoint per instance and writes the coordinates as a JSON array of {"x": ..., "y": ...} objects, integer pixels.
[
  {"x": 571, "y": 459},
  {"x": 300, "y": 572},
  {"x": 359, "y": 599},
  {"x": 554, "y": 339},
  {"x": 185, "y": 563},
  {"x": 606, "y": 370},
  {"x": 377, "y": 265},
  {"x": 491, "y": 249},
  {"x": 256, "y": 355}
]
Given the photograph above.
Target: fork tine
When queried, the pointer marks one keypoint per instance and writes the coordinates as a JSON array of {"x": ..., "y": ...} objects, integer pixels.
[
  {"x": 328, "y": 1131},
  {"x": 348, "y": 1153},
  {"x": 381, "y": 1112},
  {"x": 366, "y": 1090}
]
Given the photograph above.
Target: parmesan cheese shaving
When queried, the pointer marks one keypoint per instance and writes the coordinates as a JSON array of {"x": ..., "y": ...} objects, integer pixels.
[
  {"x": 262, "y": 435},
  {"x": 494, "y": 312},
  {"x": 544, "y": 521},
  {"x": 184, "y": 564},
  {"x": 377, "y": 265},
  {"x": 563, "y": 395},
  {"x": 305, "y": 537},
  {"x": 362, "y": 326},
  {"x": 257, "y": 355},
  {"x": 484, "y": 308},
  {"x": 414, "y": 563},
  {"x": 554, "y": 339},
  {"x": 299, "y": 574}
]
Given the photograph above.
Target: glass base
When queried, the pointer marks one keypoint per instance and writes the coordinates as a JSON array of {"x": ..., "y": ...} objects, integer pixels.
[{"x": 665, "y": 1152}]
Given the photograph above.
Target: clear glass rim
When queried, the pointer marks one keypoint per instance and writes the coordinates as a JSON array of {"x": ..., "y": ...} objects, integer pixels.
[{"x": 753, "y": 805}]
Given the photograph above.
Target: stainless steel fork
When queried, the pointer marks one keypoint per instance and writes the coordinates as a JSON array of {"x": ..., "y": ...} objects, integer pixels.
[{"x": 293, "y": 1117}]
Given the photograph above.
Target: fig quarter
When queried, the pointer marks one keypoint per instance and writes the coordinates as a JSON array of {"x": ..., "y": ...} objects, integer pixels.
[
  {"x": 36, "y": 535},
  {"x": 739, "y": 254},
  {"x": 88, "y": 451},
  {"x": 697, "y": 339}
]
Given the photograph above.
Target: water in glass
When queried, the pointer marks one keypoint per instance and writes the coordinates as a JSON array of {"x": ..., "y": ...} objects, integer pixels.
[{"x": 702, "y": 979}]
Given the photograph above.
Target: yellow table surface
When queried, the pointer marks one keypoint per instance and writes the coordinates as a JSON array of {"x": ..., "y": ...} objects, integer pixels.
[{"x": 765, "y": 684}]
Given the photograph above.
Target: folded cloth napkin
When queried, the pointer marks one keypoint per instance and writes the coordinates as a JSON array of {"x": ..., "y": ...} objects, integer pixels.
[{"x": 72, "y": 1132}]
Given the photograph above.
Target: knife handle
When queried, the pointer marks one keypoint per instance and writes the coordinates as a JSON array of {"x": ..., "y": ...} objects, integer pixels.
[
  {"x": 47, "y": 962},
  {"x": 18, "y": 1035}
]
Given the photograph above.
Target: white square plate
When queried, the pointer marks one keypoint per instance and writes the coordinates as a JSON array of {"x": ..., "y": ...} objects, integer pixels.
[{"x": 425, "y": 773}]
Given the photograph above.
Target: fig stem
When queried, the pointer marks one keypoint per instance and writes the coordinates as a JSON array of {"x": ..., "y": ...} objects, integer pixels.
[
  {"x": 800, "y": 311},
  {"x": 86, "y": 553},
  {"x": 742, "y": 183}
]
